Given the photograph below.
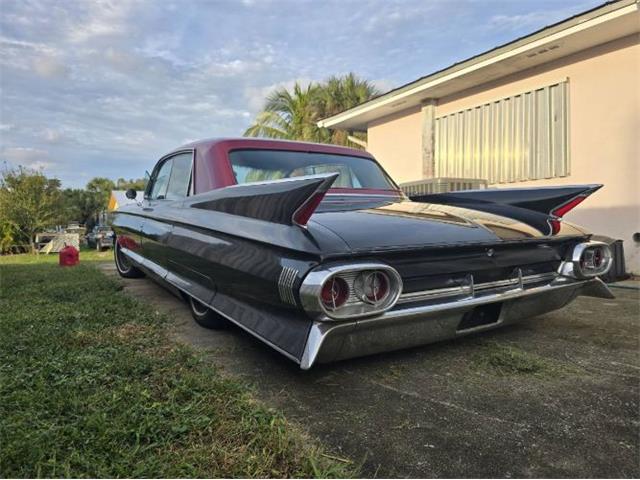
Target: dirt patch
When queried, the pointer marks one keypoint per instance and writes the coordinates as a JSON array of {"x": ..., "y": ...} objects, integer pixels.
[
  {"x": 504, "y": 359},
  {"x": 128, "y": 331}
]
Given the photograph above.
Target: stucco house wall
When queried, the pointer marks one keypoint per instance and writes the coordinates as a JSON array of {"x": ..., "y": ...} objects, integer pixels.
[
  {"x": 604, "y": 134},
  {"x": 396, "y": 140}
]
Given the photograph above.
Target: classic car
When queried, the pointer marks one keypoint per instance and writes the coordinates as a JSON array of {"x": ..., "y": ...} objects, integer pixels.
[
  {"x": 100, "y": 237},
  {"x": 315, "y": 250}
]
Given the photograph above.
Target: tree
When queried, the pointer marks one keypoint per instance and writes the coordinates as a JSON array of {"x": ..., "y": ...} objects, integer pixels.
[
  {"x": 342, "y": 93},
  {"x": 100, "y": 188},
  {"x": 80, "y": 205},
  {"x": 137, "y": 184},
  {"x": 289, "y": 115},
  {"x": 29, "y": 203},
  {"x": 294, "y": 115}
]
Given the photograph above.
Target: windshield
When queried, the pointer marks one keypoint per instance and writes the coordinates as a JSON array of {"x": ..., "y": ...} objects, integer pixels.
[{"x": 355, "y": 172}]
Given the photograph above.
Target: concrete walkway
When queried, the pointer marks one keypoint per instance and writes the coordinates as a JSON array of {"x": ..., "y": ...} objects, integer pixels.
[{"x": 556, "y": 396}]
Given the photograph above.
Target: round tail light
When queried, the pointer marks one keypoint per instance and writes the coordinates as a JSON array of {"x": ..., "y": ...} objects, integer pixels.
[
  {"x": 335, "y": 293},
  {"x": 588, "y": 260},
  {"x": 372, "y": 287}
]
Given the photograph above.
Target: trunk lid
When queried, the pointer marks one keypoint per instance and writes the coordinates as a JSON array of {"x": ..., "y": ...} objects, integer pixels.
[{"x": 370, "y": 224}]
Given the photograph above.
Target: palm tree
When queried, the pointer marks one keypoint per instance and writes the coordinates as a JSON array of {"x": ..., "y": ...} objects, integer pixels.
[
  {"x": 342, "y": 93},
  {"x": 289, "y": 115},
  {"x": 293, "y": 115}
]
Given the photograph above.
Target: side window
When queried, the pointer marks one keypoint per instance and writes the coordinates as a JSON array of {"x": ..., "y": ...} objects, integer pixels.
[
  {"x": 180, "y": 176},
  {"x": 161, "y": 181}
]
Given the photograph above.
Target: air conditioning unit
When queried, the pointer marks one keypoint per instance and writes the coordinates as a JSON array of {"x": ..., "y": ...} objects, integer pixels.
[{"x": 441, "y": 185}]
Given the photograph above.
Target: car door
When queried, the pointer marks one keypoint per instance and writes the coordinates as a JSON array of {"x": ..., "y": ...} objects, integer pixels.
[
  {"x": 154, "y": 228},
  {"x": 184, "y": 266}
]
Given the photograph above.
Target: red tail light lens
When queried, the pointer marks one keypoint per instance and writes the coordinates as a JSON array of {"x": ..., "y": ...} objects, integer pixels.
[
  {"x": 334, "y": 293},
  {"x": 303, "y": 214},
  {"x": 567, "y": 207},
  {"x": 561, "y": 211},
  {"x": 372, "y": 287}
]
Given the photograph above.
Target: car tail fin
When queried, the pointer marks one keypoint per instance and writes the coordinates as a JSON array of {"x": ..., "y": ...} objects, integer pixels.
[
  {"x": 289, "y": 201},
  {"x": 547, "y": 204}
]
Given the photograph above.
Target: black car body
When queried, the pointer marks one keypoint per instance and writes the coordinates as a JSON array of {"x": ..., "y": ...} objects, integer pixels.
[{"x": 316, "y": 251}]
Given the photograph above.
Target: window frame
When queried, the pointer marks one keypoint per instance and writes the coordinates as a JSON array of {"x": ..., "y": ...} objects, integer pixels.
[{"x": 158, "y": 166}]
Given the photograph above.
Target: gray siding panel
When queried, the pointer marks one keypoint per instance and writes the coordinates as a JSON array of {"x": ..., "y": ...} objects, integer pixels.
[{"x": 518, "y": 138}]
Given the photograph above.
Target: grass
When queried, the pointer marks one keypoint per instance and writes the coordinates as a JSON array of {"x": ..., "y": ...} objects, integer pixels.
[
  {"x": 509, "y": 360},
  {"x": 92, "y": 386},
  {"x": 90, "y": 255}
]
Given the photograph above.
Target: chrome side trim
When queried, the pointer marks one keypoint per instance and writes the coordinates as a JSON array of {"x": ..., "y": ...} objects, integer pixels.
[
  {"x": 286, "y": 280},
  {"x": 473, "y": 288}
]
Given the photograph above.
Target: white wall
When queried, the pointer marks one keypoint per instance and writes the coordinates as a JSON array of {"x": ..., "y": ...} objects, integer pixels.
[{"x": 604, "y": 134}]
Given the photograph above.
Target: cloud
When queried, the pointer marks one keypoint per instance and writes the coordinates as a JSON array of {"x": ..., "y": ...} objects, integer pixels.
[
  {"x": 106, "y": 87},
  {"x": 27, "y": 157},
  {"x": 102, "y": 17},
  {"x": 527, "y": 21},
  {"x": 49, "y": 67},
  {"x": 390, "y": 17},
  {"x": 383, "y": 84},
  {"x": 51, "y": 135},
  {"x": 257, "y": 95}
]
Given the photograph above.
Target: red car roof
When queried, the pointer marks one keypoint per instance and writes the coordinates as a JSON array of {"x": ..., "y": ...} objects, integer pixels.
[
  {"x": 212, "y": 168},
  {"x": 264, "y": 143}
]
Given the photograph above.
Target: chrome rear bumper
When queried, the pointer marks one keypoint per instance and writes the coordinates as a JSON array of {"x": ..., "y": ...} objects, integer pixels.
[{"x": 410, "y": 324}]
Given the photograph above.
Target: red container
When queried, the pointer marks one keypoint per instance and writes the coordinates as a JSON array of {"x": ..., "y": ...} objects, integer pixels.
[{"x": 69, "y": 256}]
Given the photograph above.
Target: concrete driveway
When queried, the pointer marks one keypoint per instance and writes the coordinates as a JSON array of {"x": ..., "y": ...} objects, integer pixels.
[{"x": 556, "y": 396}]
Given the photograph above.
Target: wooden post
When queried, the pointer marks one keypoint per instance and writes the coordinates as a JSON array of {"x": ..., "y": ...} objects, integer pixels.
[{"x": 428, "y": 138}]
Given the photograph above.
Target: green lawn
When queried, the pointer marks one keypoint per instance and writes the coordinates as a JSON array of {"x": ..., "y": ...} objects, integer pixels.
[{"x": 91, "y": 386}]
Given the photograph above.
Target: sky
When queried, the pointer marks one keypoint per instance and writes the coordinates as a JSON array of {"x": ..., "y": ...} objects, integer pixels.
[{"x": 104, "y": 88}]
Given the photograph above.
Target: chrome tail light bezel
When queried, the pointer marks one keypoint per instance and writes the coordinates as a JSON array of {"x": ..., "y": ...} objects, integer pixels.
[
  {"x": 575, "y": 267},
  {"x": 311, "y": 288}
]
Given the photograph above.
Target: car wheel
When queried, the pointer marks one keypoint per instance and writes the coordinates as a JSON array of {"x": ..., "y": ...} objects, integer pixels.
[
  {"x": 124, "y": 266},
  {"x": 205, "y": 317}
]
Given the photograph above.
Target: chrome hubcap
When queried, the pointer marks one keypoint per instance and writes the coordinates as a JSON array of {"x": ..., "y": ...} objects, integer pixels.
[
  {"x": 121, "y": 260},
  {"x": 198, "y": 307}
]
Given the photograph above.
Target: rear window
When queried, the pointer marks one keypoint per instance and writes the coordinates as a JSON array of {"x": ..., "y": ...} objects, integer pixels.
[{"x": 260, "y": 165}]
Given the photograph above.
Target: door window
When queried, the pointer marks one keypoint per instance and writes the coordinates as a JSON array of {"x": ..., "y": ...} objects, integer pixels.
[
  {"x": 180, "y": 176},
  {"x": 172, "y": 178},
  {"x": 161, "y": 182}
]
